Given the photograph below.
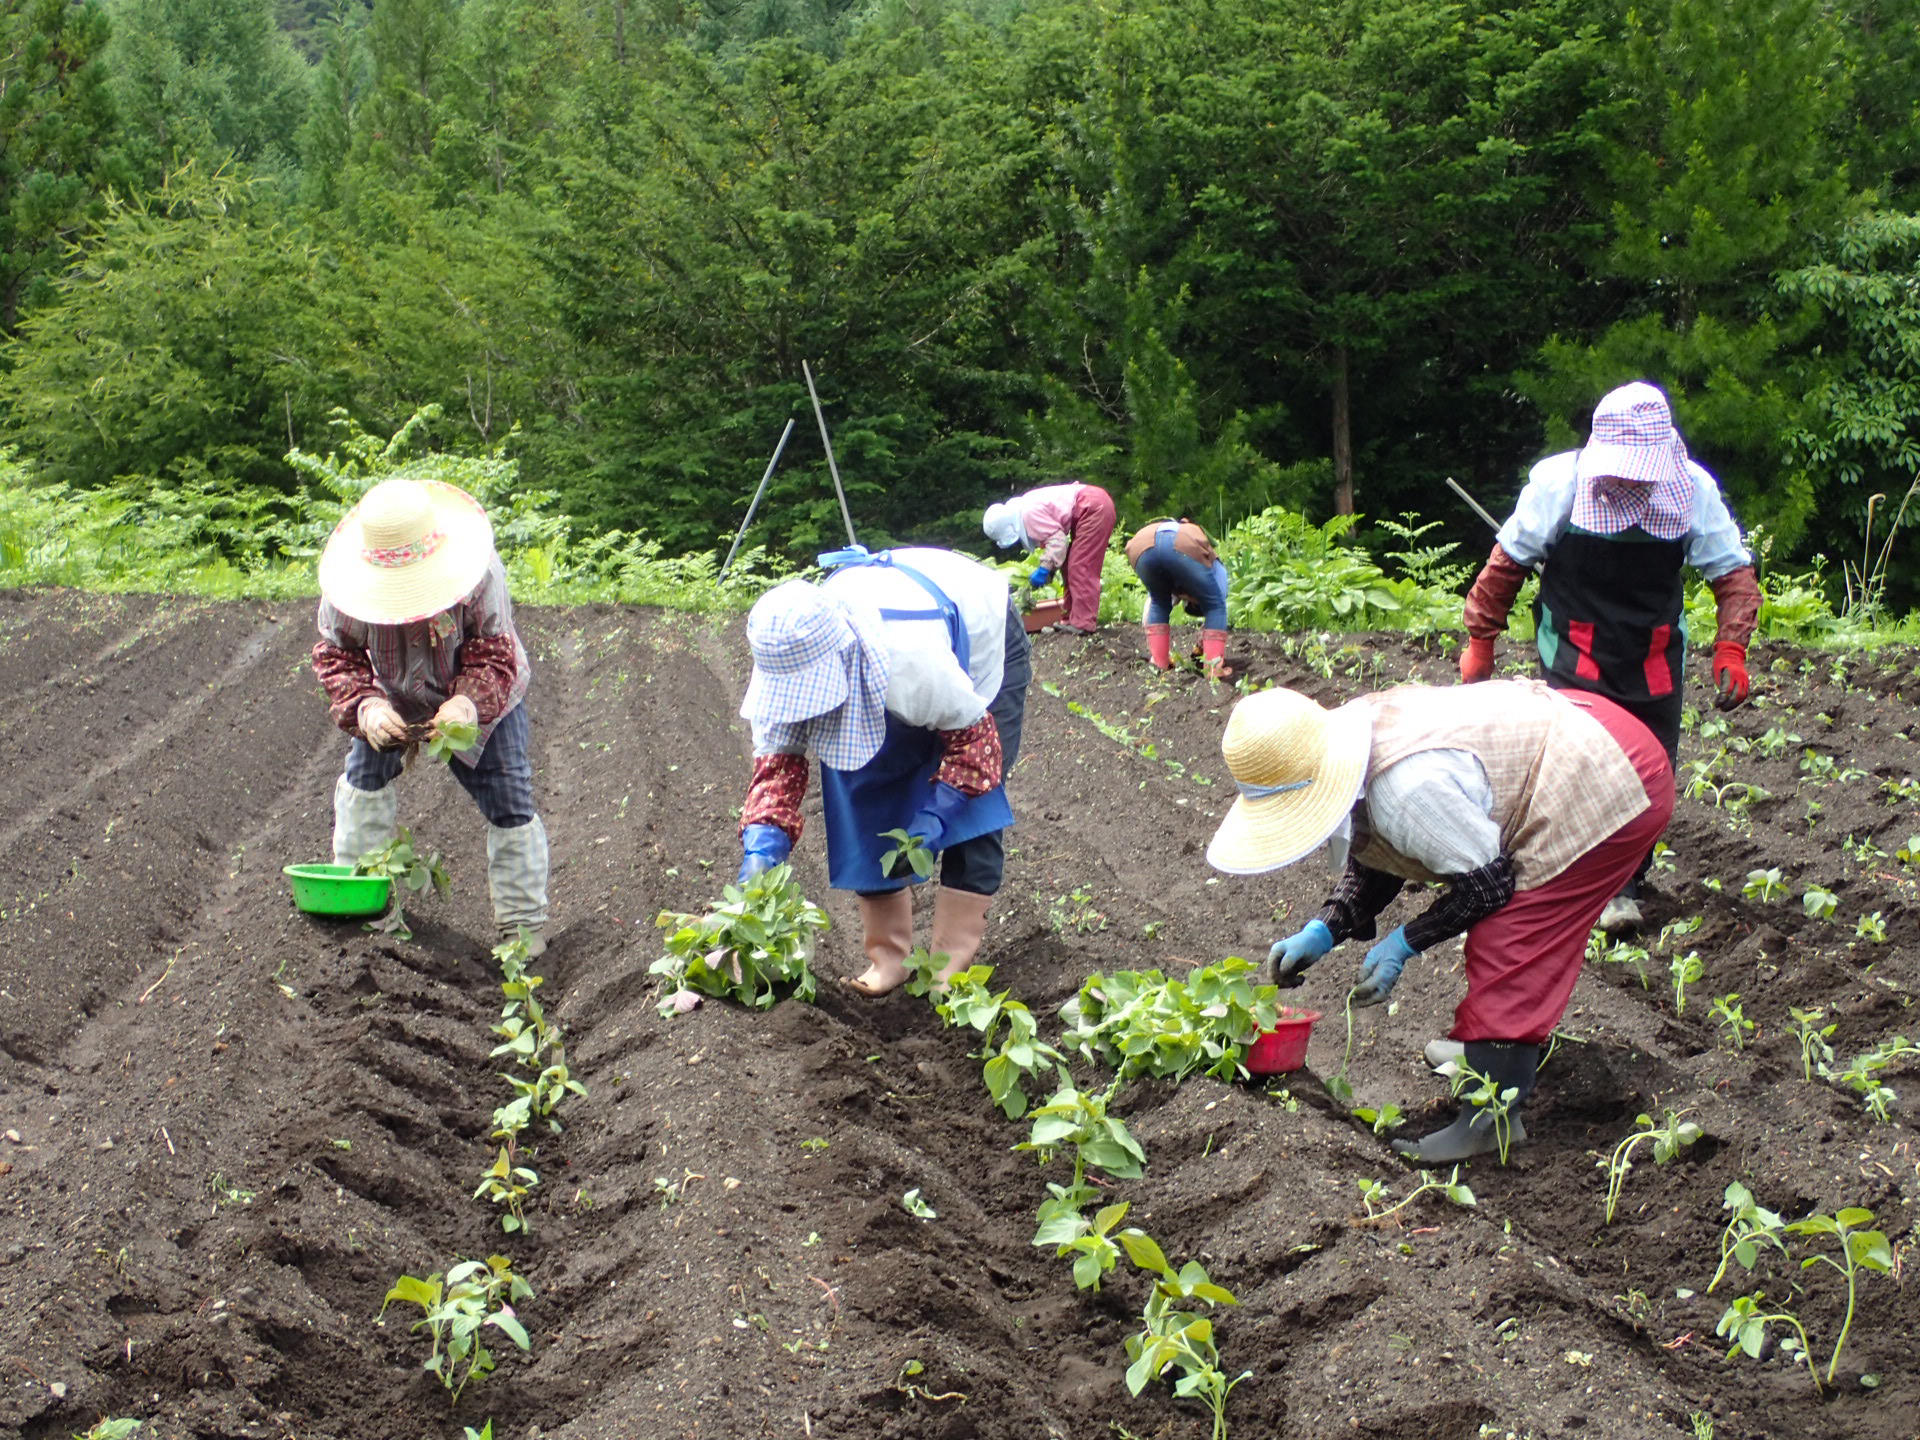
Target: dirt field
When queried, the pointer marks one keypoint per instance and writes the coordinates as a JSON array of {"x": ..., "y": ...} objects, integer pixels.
[{"x": 229, "y": 1127}]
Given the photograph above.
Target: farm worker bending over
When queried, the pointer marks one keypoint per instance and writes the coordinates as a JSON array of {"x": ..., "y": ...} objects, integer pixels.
[
  {"x": 905, "y": 674},
  {"x": 416, "y": 626},
  {"x": 1070, "y": 525},
  {"x": 1611, "y": 526},
  {"x": 1175, "y": 560},
  {"x": 1529, "y": 805}
]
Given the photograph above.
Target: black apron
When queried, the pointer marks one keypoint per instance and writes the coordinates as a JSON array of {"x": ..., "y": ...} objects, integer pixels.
[{"x": 1611, "y": 618}]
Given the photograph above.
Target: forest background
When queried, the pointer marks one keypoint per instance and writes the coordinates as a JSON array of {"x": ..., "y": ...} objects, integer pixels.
[{"x": 1216, "y": 255}]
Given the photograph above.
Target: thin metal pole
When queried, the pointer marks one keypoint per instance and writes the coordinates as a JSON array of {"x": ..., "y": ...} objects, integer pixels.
[
  {"x": 740, "y": 534},
  {"x": 1455, "y": 484},
  {"x": 832, "y": 468}
]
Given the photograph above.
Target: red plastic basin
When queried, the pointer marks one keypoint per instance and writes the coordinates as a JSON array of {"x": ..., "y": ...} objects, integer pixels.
[{"x": 1284, "y": 1047}]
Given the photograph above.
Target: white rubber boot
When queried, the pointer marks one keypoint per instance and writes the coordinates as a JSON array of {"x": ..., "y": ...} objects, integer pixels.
[
  {"x": 363, "y": 820},
  {"x": 517, "y": 877},
  {"x": 1442, "y": 1054}
]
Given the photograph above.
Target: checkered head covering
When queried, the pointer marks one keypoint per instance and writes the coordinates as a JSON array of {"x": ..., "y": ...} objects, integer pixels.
[
  {"x": 1633, "y": 468},
  {"x": 819, "y": 676}
]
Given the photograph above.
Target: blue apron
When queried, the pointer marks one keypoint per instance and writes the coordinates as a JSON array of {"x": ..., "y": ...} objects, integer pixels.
[{"x": 886, "y": 792}]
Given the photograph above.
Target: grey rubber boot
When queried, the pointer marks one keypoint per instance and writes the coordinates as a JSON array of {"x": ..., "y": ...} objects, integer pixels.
[
  {"x": 363, "y": 820},
  {"x": 1511, "y": 1066},
  {"x": 517, "y": 877}
]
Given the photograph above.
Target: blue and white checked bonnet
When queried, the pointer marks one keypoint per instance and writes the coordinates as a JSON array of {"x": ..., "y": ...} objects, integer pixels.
[{"x": 819, "y": 674}]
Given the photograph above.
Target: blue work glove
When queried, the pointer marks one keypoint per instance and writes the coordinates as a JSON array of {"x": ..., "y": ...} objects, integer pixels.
[
  {"x": 1382, "y": 967},
  {"x": 761, "y": 848},
  {"x": 1293, "y": 955},
  {"x": 932, "y": 821},
  {"x": 1041, "y": 575}
]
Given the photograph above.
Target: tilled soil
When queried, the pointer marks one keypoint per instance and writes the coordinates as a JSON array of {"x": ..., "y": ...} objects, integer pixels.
[{"x": 229, "y": 1126}]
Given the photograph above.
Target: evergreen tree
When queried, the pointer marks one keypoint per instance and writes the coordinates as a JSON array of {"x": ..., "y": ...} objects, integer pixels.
[{"x": 58, "y": 150}]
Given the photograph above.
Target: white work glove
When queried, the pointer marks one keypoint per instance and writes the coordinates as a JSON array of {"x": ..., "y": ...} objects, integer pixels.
[
  {"x": 381, "y": 724},
  {"x": 459, "y": 710}
]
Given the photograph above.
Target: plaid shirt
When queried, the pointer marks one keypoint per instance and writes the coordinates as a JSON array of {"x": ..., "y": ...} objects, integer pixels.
[{"x": 470, "y": 649}]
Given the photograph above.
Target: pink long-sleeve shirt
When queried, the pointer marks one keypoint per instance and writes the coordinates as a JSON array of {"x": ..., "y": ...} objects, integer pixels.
[{"x": 1046, "y": 519}]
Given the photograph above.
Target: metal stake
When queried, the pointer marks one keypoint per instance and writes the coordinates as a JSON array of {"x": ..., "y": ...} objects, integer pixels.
[
  {"x": 740, "y": 534},
  {"x": 832, "y": 468}
]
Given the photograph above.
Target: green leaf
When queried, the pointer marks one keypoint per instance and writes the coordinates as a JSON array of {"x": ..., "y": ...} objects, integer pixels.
[{"x": 1145, "y": 1252}]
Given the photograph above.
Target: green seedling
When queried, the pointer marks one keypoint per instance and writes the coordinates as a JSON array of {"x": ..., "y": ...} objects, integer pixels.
[
  {"x": 508, "y": 1183},
  {"x": 400, "y": 861},
  {"x": 1089, "y": 1242},
  {"x": 1602, "y": 947},
  {"x": 1337, "y": 1084},
  {"x": 1142, "y": 1023},
  {"x": 1663, "y": 862},
  {"x": 1872, "y": 928},
  {"x": 1902, "y": 791},
  {"x": 109, "y": 1430},
  {"x": 1777, "y": 741},
  {"x": 1100, "y": 1141},
  {"x": 1745, "y": 1322},
  {"x": 1174, "y": 1335},
  {"x": 1861, "y": 849},
  {"x": 1815, "y": 1052},
  {"x": 1384, "y": 1120},
  {"x": 1668, "y": 1140},
  {"x": 1749, "y": 1227},
  {"x": 1484, "y": 1093},
  {"x": 455, "y": 737},
  {"x": 1860, "y": 1249},
  {"x": 1687, "y": 970},
  {"x": 1765, "y": 886},
  {"x": 485, "y": 1432},
  {"x": 1862, "y": 1075},
  {"x": 1819, "y": 903},
  {"x": 1075, "y": 913},
  {"x": 475, "y": 1295},
  {"x": 1014, "y": 1054},
  {"x": 1726, "y": 1009},
  {"x": 918, "y": 1208},
  {"x": 751, "y": 947},
  {"x": 1375, "y": 1192},
  {"x": 1909, "y": 853},
  {"x": 912, "y": 849}
]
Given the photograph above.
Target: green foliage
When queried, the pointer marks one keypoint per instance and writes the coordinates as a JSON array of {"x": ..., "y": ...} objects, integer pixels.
[
  {"x": 1749, "y": 1227},
  {"x": 912, "y": 849},
  {"x": 455, "y": 737},
  {"x": 1010, "y": 1040},
  {"x": 1142, "y": 1023},
  {"x": 108, "y": 1430},
  {"x": 1100, "y": 1141},
  {"x": 1668, "y": 1140},
  {"x": 1375, "y": 1193},
  {"x": 1289, "y": 574},
  {"x": 1175, "y": 1335},
  {"x": 751, "y": 947},
  {"x": 473, "y": 1296},
  {"x": 412, "y": 873}
]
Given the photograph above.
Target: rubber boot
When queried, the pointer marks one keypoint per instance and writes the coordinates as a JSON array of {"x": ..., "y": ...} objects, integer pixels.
[
  {"x": 1160, "y": 645},
  {"x": 1213, "y": 655},
  {"x": 959, "y": 925},
  {"x": 1443, "y": 1054},
  {"x": 1512, "y": 1066},
  {"x": 886, "y": 926},
  {"x": 363, "y": 820},
  {"x": 517, "y": 878}
]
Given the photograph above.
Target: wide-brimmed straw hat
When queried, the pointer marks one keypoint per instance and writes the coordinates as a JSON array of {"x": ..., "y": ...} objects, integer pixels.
[
  {"x": 408, "y": 550},
  {"x": 1002, "y": 524},
  {"x": 1633, "y": 439},
  {"x": 1299, "y": 767},
  {"x": 820, "y": 668}
]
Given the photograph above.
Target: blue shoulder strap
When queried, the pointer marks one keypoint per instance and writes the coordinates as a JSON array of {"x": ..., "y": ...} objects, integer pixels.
[{"x": 944, "y": 609}]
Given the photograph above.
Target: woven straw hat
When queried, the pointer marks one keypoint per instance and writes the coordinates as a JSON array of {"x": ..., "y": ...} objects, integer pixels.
[
  {"x": 408, "y": 550},
  {"x": 1299, "y": 767}
]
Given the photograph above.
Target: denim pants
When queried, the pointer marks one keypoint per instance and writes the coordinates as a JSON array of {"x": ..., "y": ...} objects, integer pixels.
[{"x": 1167, "y": 573}]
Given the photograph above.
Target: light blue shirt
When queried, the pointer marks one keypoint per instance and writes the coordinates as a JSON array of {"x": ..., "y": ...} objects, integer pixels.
[{"x": 1540, "y": 517}]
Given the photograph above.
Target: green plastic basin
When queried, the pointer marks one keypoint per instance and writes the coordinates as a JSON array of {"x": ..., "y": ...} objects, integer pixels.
[{"x": 336, "y": 890}]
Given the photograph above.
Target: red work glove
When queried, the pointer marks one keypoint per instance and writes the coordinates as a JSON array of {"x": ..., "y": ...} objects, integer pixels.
[
  {"x": 1476, "y": 661},
  {"x": 1729, "y": 674}
]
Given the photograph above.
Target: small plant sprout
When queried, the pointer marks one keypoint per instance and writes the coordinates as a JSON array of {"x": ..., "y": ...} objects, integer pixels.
[
  {"x": 1383, "y": 1121},
  {"x": 752, "y": 947},
  {"x": 1687, "y": 970},
  {"x": 1668, "y": 1140},
  {"x": 1815, "y": 1052},
  {"x": 1663, "y": 857},
  {"x": 1602, "y": 947},
  {"x": 1749, "y": 1227},
  {"x": 1375, "y": 1192},
  {"x": 485, "y": 1432},
  {"x": 474, "y": 1295},
  {"x": 1862, "y": 1075},
  {"x": 1726, "y": 1009},
  {"x": 1090, "y": 1243},
  {"x": 1765, "y": 886},
  {"x": 1745, "y": 1323},
  {"x": 1175, "y": 1335},
  {"x": 1776, "y": 742},
  {"x": 916, "y": 1207},
  {"x": 912, "y": 849},
  {"x": 1872, "y": 928},
  {"x": 1819, "y": 903},
  {"x": 109, "y": 1430},
  {"x": 411, "y": 873},
  {"x": 1904, "y": 790},
  {"x": 1860, "y": 1249},
  {"x": 456, "y": 737},
  {"x": 1483, "y": 1092}
]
